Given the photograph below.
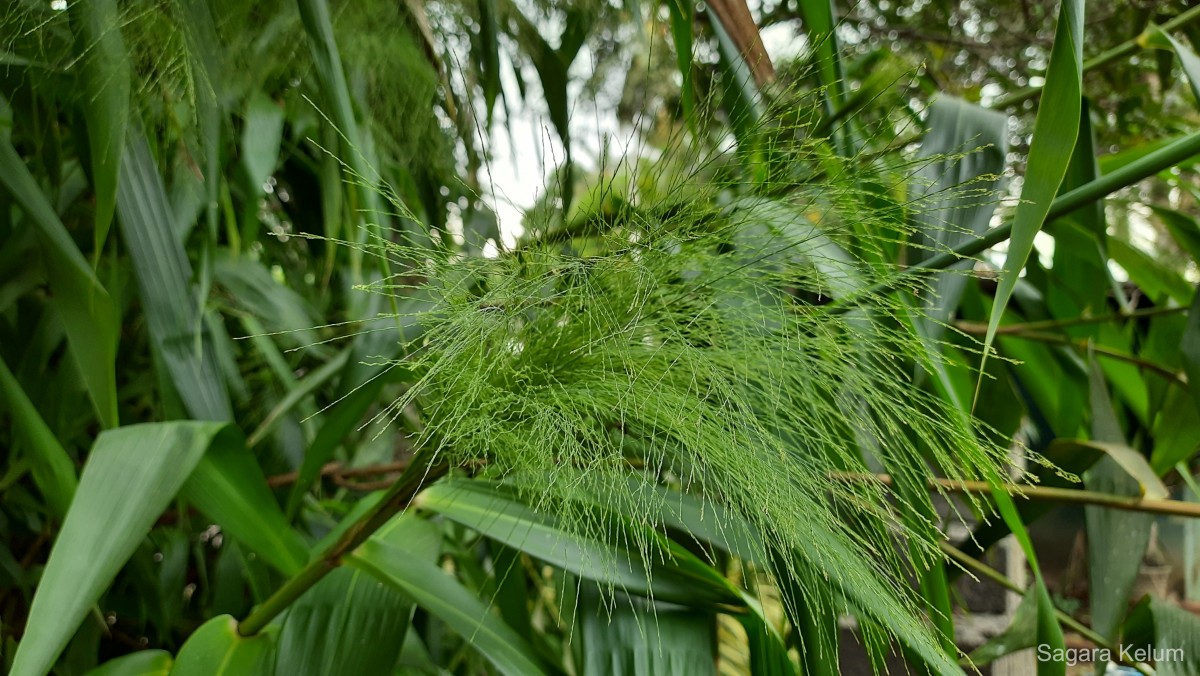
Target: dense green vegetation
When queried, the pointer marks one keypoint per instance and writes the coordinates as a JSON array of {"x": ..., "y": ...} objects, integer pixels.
[{"x": 280, "y": 395}]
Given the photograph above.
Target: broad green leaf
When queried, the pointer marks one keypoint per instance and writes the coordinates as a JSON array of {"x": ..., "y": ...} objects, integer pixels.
[
  {"x": 1054, "y": 134},
  {"x": 400, "y": 555},
  {"x": 348, "y": 623},
  {"x": 621, "y": 635},
  {"x": 261, "y": 136},
  {"x": 228, "y": 486},
  {"x": 964, "y": 152},
  {"x": 88, "y": 313},
  {"x": 164, "y": 281},
  {"x": 1165, "y": 633},
  {"x": 1116, "y": 539},
  {"x": 104, "y": 99},
  {"x": 495, "y": 513},
  {"x": 131, "y": 475},
  {"x": 141, "y": 663},
  {"x": 216, "y": 649},
  {"x": 52, "y": 469}
]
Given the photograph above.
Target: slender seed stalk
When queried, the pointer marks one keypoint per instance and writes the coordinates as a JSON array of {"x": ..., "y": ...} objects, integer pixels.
[
  {"x": 1047, "y": 493},
  {"x": 417, "y": 476}
]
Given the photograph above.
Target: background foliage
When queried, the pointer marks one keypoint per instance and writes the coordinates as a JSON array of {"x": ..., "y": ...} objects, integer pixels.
[{"x": 280, "y": 394}]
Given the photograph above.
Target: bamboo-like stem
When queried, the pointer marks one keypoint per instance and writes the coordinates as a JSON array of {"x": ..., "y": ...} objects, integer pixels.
[
  {"x": 1100, "y": 350},
  {"x": 397, "y": 498},
  {"x": 1047, "y": 493},
  {"x": 1066, "y": 620},
  {"x": 1106, "y": 57},
  {"x": 1141, "y": 168},
  {"x": 970, "y": 327}
]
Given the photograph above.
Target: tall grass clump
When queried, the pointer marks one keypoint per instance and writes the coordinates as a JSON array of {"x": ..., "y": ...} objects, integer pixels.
[{"x": 694, "y": 344}]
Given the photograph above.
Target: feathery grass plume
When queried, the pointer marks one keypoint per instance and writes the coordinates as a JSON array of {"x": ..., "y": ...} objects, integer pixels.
[{"x": 686, "y": 342}]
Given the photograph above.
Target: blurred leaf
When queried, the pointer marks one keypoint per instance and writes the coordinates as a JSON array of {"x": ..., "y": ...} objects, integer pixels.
[
  {"x": 682, "y": 33},
  {"x": 818, "y": 18},
  {"x": 164, "y": 281},
  {"x": 1153, "y": 277},
  {"x": 141, "y": 663},
  {"x": 623, "y": 635},
  {"x": 1048, "y": 632},
  {"x": 402, "y": 553},
  {"x": 229, "y": 487},
  {"x": 88, "y": 313},
  {"x": 1054, "y": 134},
  {"x": 349, "y": 623},
  {"x": 1020, "y": 634},
  {"x": 1129, "y": 460},
  {"x": 1183, "y": 227},
  {"x": 104, "y": 100},
  {"x": 131, "y": 475},
  {"x": 488, "y": 58},
  {"x": 1157, "y": 37},
  {"x": 1116, "y": 540},
  {"x": 52, "y": 469},
  {"x": 280, "y": 308},
  {"x": 737, "y": 23},
  {"x": 963, "y": 154},
  {"x": 1169, "y": 631},
  {"x": 1189, "y": 347},
  {"x": 261, "y": 135},
  {"x": 216, "y": 649},
  {"x": 1081, "y": 281}
]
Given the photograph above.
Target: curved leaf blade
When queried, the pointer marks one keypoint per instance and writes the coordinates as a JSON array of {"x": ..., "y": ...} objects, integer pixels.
[{"x": 131, "y": 475}]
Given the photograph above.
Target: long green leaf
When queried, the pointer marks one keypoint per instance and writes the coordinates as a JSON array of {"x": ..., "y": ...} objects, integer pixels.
[
  {"x": 52, "y": 469},
  {"x": 1054, "y": 133},
  {"x": 350, "y": 623},
  {"x": 216, "y": 649},
  {"x": 104, "y": 100},
  {"x": 229, "y": 487},
  {"x": 497, "y": 514},
  {"x": 1116, "y": 540},
  {"x": 626, "y": 636},
  {"x": 400, "y": 555},
  {"x": 131, "y": 475},
  {"x": 88, "y": 313},
  {"x": 164, "y": 281}
]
